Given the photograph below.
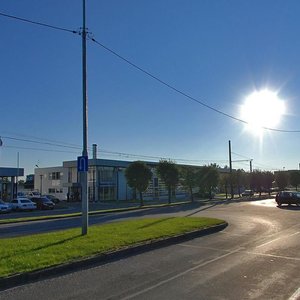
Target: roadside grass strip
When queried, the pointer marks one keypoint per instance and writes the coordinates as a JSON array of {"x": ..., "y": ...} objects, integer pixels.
[{"x": 35, "y": 252}]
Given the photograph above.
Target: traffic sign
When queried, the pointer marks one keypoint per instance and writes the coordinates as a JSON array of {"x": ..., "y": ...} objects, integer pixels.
[{"x": 82, "y": 163}]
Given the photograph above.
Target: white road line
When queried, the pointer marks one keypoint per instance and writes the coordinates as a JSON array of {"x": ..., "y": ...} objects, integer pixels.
[
  {"x": 242, "y": 250},
  {"x": 296, "y": 295},
  {"x": 178, "y": 275},
  {"x": 282, "y": 237}
]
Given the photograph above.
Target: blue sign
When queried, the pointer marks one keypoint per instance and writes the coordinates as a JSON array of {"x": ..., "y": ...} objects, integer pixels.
[{"x": 82, "y": 163}]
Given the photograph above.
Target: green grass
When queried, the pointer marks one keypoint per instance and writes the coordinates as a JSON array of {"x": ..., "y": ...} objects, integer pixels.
[{"x": 29, "y": 253}]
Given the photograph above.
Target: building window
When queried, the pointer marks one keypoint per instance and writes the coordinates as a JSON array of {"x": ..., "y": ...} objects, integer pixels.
[
  {"x": 55, "y": 175},
  {"x": 55, "y": 191},
  {"x": 106, "y": 174}
]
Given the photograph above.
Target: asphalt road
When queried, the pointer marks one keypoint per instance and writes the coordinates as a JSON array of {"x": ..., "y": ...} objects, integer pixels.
[{"x": 256, "y": 257}]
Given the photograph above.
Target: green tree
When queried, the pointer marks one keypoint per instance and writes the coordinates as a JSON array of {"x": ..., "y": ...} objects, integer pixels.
[
  {"x": 208, "y": 178},
  {"x": 268, "y": 178},
  {"x": 169, "y": 174},
  {"x": 295, "y": 178},
  {"x": 189, "y": 179},
  {"x": 281, "y": 179},
  {"x": 225, "y": 182},
  {"x": 239, "y": 179},
  {"x": 256, "y": 181},
  {"x": 138, "y": 175}
]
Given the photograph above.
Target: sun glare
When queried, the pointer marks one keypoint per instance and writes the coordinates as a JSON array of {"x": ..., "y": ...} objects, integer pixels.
[{"x": 262, "y": 109}]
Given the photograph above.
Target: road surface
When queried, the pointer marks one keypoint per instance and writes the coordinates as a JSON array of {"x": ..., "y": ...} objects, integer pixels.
[{"x": 256, "y": 257}]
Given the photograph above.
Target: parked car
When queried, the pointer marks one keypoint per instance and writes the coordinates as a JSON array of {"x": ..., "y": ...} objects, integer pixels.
[
  {"x": 288, "y": 197},
  {"x": 43, "y": 203},
  {"x": 33, "y": 194},
  {"x": 52, "y": 198},
  {"x": 22, "y": 203},
  {"x": 247, "y": 193},
  {"x": 5, "y": 207}
]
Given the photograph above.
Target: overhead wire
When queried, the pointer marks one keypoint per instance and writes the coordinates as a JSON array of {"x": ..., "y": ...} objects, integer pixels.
[
  {"x": 101, "y": 152},
  {"x": 189, "y": 97},
  {"x": 38, "y": 23}
]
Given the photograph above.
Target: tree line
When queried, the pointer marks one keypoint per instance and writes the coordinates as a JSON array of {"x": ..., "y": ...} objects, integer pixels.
[{"x": 204, "y": 180}]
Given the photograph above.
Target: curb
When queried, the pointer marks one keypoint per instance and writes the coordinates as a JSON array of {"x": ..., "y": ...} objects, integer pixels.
[{"x": 25, "y": 278}]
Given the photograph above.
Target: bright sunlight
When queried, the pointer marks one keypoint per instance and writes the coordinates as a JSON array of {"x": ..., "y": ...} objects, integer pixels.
[{"x": 262, "y": 109}]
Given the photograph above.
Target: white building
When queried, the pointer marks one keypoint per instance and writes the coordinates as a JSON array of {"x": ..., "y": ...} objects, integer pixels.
[
  {"x": 51, "y": 181},
  {"x": 106, "y": 181}
]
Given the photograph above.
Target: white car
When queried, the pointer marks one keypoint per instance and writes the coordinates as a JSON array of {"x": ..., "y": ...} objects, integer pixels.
[
  {"x": 5, "y": 207},
  {"x": 22, "y": 203}
]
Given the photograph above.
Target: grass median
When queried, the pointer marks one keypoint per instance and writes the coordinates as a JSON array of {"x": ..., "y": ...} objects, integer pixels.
[{"x": 39, "y": 251}]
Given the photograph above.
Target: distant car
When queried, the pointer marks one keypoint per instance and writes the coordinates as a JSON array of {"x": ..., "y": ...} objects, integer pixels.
[
  {"x": 5, "y": 207},
  {"x": 43, "y": 203},
  {"x": 52, "y": 198},
  {"x": 22, "y": 203},
  {"x": 33, "y": 194},
  {"x": 247, "y": 193},
  {"x": 288, "y": 197}
]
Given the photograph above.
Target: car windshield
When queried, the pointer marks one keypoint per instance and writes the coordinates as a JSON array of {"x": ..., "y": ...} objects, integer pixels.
[
  {"x": 25, "y": 201},
  {"x": 46, "y": 200}
]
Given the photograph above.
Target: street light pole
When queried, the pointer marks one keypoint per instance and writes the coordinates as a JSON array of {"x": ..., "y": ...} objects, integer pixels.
[
  {"x": 83, "y": 175},
  {"x": 230, "y": 166}
]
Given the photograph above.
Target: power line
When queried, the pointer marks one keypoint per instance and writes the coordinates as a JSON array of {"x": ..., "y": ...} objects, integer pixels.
[
  {"x": 101, "y": 152},
  {"x": 183, "y": 93},
  {"x": 38, "y": 23},
  {"x": 240, "y": 155},
  {"x": 37, "y": 149},
  {"x": 37, "y": 142},
  {"x": 145, "y": 72}
]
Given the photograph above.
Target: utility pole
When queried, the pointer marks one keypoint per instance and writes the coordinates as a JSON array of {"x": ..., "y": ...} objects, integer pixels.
[
  {"x": 230, "y": 166},
  {"x": 17, "y": 178},
  {"x": 251, "y": 165},
  {"x": 83, "y": 175}
]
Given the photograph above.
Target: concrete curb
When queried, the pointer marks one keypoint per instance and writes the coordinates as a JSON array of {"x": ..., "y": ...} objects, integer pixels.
[{"x": 25, "y": 278}]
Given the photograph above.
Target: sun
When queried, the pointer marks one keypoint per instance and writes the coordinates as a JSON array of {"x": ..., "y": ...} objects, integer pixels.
[{"x": 262, "y": 109}]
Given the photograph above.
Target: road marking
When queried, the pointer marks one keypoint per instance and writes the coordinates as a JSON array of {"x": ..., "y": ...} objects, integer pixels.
[
  {"x": 179, "y": 275},
  {"x": 287, "y": 236},
  {"x": 296, "y": 295},
  {"x": 242, "y": 250}
]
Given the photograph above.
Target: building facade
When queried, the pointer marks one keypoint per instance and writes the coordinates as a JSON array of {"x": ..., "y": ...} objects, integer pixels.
[
  {"x": 8, "y": 182},
  {"x": 106, "y": 181}
]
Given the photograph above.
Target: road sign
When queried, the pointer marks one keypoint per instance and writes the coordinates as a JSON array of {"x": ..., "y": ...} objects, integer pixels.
[{"x": 82, "y": 163}]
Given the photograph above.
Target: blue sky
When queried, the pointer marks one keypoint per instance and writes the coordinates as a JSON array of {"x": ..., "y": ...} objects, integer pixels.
[{"x": 215, "y": 51}]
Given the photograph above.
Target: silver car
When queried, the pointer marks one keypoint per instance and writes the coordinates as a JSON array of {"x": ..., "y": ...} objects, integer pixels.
[
  {"x": 22, "y": 203},
  {"x": 5, "y": 207}
]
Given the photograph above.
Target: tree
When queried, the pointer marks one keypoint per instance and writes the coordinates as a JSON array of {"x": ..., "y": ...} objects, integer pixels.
[
  {"x": 256, "y": 181},
  {"x": 239, "y": 178},
  {"x": 268, "y": 178},
  {"x": 208, "y": 178},
  {"x": 169, "y": 174},
  {"x": 225, "y": 182},
  {"x": 281, "y": 179},
  {"x": 138, "y": 175},
  {"x": 189, "y": 179},
  {"x": 295, "y": 178}
]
